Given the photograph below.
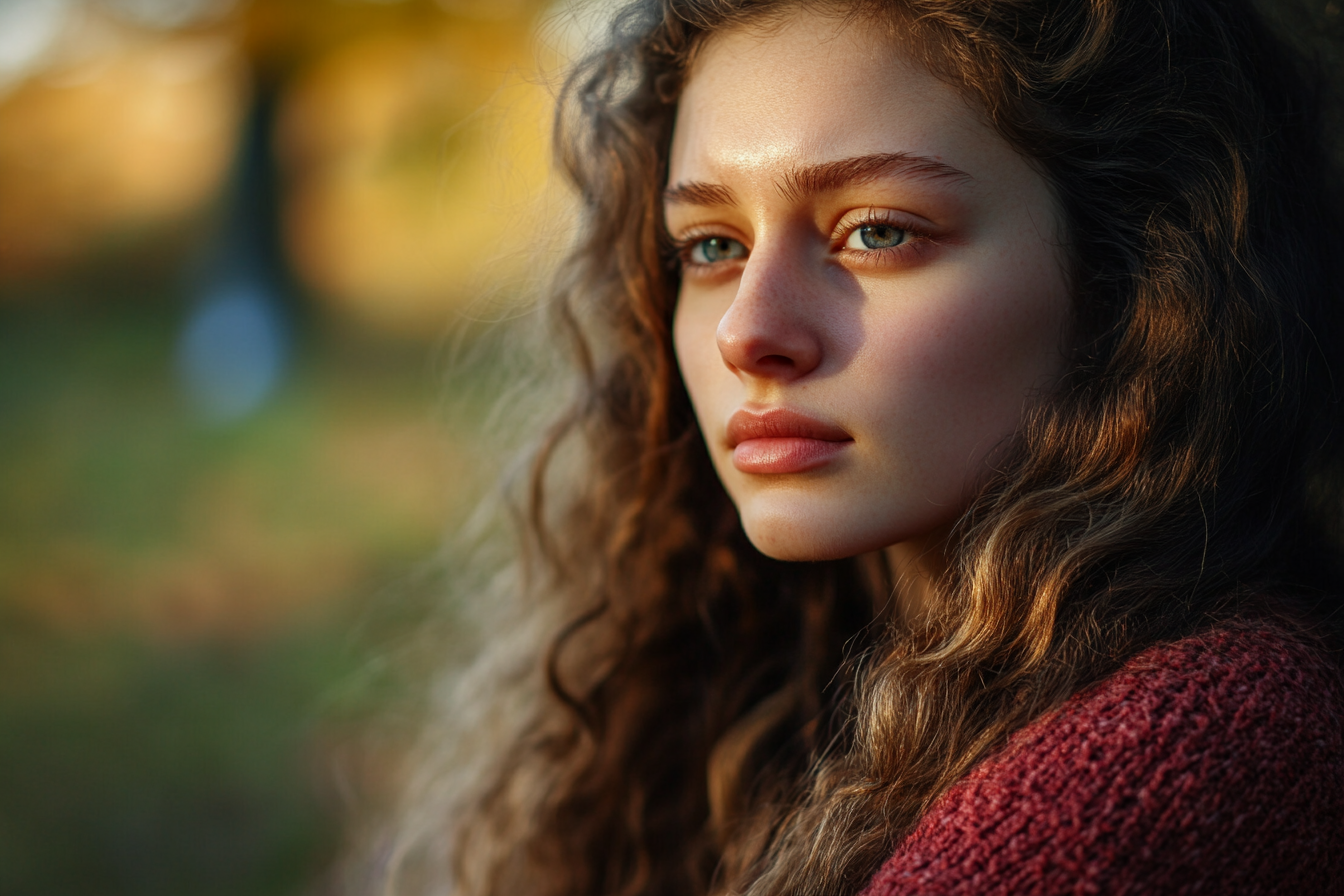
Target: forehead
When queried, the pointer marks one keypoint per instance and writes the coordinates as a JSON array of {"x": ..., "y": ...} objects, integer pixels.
[{"x": 811, "y": 88}]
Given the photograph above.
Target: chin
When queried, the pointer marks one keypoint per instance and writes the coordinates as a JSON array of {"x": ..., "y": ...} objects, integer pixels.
[
  {"x": 812, "y": 540},
  {"x": 834, "y": 530}
]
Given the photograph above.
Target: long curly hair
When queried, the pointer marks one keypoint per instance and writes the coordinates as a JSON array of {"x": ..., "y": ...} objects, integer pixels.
[{"x": 675, "y": 713}]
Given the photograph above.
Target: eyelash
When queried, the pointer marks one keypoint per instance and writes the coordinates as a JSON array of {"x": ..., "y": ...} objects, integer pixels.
[{"x": 917, "y": 239}]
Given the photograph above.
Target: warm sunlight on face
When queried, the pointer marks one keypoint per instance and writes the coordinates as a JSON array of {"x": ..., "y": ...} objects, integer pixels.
[{"x": 872, "y": 285}]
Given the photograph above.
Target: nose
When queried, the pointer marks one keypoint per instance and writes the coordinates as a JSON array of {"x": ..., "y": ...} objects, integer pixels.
[{"x": 771, "y": 330}]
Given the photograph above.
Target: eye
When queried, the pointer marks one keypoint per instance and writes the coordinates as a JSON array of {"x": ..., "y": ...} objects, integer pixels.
[
  {"x": 715, "y": 249},
  {"x": 877, "y": 236}
]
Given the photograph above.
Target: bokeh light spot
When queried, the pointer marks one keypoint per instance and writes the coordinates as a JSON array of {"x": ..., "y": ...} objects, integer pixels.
[
  {"x": 232, "y": 353},
  {"x": 28, "y": 28}
]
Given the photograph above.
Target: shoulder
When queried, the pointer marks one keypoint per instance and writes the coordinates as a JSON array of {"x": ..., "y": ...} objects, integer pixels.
[{"x": 1212, "y": 764}]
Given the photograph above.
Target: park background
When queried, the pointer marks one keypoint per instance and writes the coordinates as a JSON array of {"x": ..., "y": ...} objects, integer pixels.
[{"x": 265, "y": 270}]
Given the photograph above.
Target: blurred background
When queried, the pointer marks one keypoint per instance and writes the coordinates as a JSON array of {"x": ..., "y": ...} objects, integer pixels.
[
  {"x": 243, "y": 245},
  {"x": 254, "y": 260}
]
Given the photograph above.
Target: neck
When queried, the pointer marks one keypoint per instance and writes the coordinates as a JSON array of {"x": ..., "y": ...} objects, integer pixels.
[{"x": 917, "y": 566}]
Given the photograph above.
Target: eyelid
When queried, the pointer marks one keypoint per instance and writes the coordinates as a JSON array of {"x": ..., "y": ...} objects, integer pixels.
[
  {"x": 853, "y": 220},
  {"x": 684, "y": 243},
  {"x": 695, "y": 232}
]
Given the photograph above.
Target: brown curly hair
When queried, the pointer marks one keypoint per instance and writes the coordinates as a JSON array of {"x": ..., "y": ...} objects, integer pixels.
[{"x": 708, "y": 720}]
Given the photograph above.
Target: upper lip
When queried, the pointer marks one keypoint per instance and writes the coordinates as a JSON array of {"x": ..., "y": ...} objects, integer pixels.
[{"x": 780, "y": 423}]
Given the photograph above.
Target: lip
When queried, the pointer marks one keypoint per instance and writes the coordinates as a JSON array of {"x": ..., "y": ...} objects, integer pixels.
[{"x": 780, "y": 440}]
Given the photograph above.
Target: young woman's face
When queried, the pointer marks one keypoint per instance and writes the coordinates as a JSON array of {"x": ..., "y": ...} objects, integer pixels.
[{"x": 873, "y": 285}]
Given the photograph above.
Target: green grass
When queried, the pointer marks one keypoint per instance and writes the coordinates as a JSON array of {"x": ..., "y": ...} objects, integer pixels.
[
  {"x": 129, "y": 768},
  {"x": 193, "y": 620}
]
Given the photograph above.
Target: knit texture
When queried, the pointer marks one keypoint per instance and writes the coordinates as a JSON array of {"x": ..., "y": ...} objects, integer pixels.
[{"x": 1212, "y": 765}]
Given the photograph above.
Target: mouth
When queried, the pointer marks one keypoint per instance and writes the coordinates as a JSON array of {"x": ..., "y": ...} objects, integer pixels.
[{"x": 779, "y": 440}]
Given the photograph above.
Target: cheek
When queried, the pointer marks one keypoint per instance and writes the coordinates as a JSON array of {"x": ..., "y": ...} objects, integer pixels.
[
  {"x": 694, "y": 327},
  {"x": 960, "y": 353}
]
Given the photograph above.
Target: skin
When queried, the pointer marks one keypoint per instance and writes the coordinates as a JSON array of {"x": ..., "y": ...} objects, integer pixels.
[{"x": 926, "y": 352}]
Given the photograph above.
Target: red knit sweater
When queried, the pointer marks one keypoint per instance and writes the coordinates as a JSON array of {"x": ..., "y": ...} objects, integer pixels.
[{"x": 1214, "y": 765}]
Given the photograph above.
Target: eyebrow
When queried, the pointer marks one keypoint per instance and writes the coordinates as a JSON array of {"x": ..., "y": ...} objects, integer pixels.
[{"x": 824, "y": 177}]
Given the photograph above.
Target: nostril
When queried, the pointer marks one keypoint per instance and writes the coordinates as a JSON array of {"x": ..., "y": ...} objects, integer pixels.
[{"x": 768, "y": 334}]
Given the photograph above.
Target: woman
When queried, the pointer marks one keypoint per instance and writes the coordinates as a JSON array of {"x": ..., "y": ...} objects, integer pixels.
[{"x": 958, "y": 497}]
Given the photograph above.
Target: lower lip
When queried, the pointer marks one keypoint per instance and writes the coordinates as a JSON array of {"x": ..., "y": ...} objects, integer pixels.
[{"x": 792, "y": 455}]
